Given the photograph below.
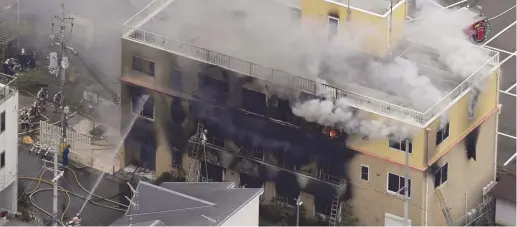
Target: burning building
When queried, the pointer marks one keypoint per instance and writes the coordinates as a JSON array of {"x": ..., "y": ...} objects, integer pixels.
[{"x": 264, "y": 94}]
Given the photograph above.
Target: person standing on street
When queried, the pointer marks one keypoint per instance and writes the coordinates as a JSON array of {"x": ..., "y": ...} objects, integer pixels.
[{"x": 66, "y": 151}]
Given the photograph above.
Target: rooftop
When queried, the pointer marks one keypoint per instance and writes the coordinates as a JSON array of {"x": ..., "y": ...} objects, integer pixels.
[
  {"x": 235, "y": 34},
  {"x": 6, "y": 90},
  {"x": 185, "y": 204}
]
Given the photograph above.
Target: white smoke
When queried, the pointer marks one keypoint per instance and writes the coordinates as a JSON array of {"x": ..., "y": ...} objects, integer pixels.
[{"x": 272, "y": 35}]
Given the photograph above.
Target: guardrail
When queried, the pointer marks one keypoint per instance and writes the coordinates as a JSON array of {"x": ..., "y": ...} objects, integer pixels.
[
  {"x": 299, "y": 83},
  {"x": 6, "y": 88}
]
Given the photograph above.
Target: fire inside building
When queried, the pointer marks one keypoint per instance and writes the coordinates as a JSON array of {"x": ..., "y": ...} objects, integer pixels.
[{"x": 214, "y": 117}]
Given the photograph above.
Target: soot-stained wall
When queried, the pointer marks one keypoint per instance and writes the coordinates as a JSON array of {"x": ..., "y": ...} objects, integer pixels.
[{"x": 256, "y": 128}]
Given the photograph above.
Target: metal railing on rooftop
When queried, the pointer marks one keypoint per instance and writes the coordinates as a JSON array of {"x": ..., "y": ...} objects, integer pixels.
[
  {"x": 274, "y": 76},
  {"x": 6, "y": 88}
]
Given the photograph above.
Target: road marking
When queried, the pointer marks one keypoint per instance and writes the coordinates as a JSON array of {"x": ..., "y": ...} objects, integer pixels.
[
  {"x": 455, "y": 4},
  {"x": 498, "y": 34},
  {"x": 503, "y": 13},
  {"x": 510, "y": 159},
  {"x": 500, "y": 50},
  {"x": 510, "y": 88},
  {"x": 511, "y": 137},
  {"x": 508, "y": 93}
]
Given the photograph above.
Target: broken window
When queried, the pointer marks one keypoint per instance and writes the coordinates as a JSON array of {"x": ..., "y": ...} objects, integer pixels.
[
  {"x": 440, "y": 175},
  {"x": 254, "y": 101},
  {"x": 442, "y": 134},
  {"x": 401, "y": 145},
  {"x": 396, "y": 184},
  {"x": 147, "y": 110},
  {"x": 143, "y": 65},
  {"x": 214, "y": 90}
]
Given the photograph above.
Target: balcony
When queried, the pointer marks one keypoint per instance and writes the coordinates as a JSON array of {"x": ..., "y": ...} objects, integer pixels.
[
  {"x": 139, "y": 29},
  {"x": 6, "y": 87},
  {"x": 257, "y": 158}
]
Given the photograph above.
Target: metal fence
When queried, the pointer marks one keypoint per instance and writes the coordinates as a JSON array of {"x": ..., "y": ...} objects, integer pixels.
[{"x": 50, "y": 138}]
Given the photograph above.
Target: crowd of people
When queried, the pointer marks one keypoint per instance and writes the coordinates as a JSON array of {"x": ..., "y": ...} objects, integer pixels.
[
  {"x": 11, "y": 66},
  {"x": 28, "y": 116}
]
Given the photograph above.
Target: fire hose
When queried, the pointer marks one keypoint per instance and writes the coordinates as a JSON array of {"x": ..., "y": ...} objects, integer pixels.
[{"x": 67, "y": 193}]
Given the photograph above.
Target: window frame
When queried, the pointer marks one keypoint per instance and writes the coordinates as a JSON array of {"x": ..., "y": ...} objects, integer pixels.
[
  {"x": 398, "y": 193},
  {"x": 400, "y": 145},
  {"x": 146, "y": 68},
  {"x": 367, "y": 173},
  {"x": 329, "y": 18},
  {"x": 2, "y": 160},
  {"x": 141, "y": 112},
  {"x": 440, "y": 139},
  {"x": 441, "y": 176},
  {"x": 2, "y": 122}
]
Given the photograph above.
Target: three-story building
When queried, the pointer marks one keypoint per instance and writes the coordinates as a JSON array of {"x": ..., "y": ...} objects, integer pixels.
[{"x": 190, "y": 60}]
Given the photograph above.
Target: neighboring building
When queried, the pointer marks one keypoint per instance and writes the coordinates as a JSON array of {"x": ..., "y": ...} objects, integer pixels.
[
  {"x": 8, "y": 146},
  {"x": 197, "y": 82},
  {"x": 192, "y": 204},
  {"x": 504, "y": 193}
]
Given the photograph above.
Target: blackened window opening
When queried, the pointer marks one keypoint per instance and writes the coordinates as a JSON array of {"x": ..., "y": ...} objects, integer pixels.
[
  {"x": 254, "y": 101},
  {"x": 2, "y": 122},
  {"x": 214, "y": 90},
  {"x": 177, "y": 80},
  {"x": 396, "y": 184},
  {"x": 2, "y": 160},
  {"x": 440, "y": 176},
  {"x": 401, "y": 145},
  {"x": 143, "y": 66},
  {"x": 442, "y": 134}
]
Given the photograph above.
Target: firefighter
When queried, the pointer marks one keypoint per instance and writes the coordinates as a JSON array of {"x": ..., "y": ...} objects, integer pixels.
[
  {"x": 6, "y": 66},
  {"x": 66, "y": 151},
  {"x": 25, "y": 121},
  {"x": 22, "y": 59},
  {"x": 42, "y": 96},
  {"x": 76, "y": 221},
  {"x": 32, "y": 57},
  {"x": 57, "y": 101}
]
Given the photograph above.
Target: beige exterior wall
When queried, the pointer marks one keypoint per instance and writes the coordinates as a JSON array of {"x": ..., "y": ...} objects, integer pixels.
[{"x": 466, "y": 178}]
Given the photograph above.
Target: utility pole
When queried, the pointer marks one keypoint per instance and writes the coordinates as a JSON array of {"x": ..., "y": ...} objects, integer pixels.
[
  {"x": 58, "y": 38},
  {"x": 406, "y": 186}
]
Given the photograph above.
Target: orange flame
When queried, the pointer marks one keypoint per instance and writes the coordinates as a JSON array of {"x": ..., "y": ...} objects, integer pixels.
[{"x": 332, "y": 133}]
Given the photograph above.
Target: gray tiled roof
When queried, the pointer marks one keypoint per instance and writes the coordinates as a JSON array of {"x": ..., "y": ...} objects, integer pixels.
[{"x": 176, "y": 204}]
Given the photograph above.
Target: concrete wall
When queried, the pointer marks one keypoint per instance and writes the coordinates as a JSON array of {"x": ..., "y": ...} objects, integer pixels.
[
  {"x": 505, "y": 212},
  {"x": 246, "y": 216},
  {"x": 9, "y": 145}
]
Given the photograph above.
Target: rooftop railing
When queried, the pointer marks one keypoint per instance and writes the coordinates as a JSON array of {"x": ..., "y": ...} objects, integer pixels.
[
  {"x": 6, "y": 87},
  {"x": 306, "y": 85}
]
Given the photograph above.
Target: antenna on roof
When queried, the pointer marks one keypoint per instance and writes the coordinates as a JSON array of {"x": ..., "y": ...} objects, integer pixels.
[{"x": 213, "y": 222}]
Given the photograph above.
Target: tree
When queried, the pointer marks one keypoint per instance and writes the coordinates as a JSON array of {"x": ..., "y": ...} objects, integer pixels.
[{"x": 347, "y": 216}]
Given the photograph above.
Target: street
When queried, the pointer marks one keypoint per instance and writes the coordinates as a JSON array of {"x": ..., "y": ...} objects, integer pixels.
[
  {"x": 502, "y": 38},
  {"x": 92, "y": 215}
]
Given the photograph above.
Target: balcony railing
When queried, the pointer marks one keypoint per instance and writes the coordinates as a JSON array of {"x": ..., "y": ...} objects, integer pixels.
[
  {"x": 322, "y": 176},
  {"x": 6, "y": 87},
  {"x": 134, "y": 33}
]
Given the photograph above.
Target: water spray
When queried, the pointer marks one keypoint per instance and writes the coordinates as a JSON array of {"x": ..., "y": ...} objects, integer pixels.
[{"x": 115, "y": 151}]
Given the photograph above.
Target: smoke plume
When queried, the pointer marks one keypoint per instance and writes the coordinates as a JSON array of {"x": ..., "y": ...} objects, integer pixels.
[{"x": 283, "y": 41}]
